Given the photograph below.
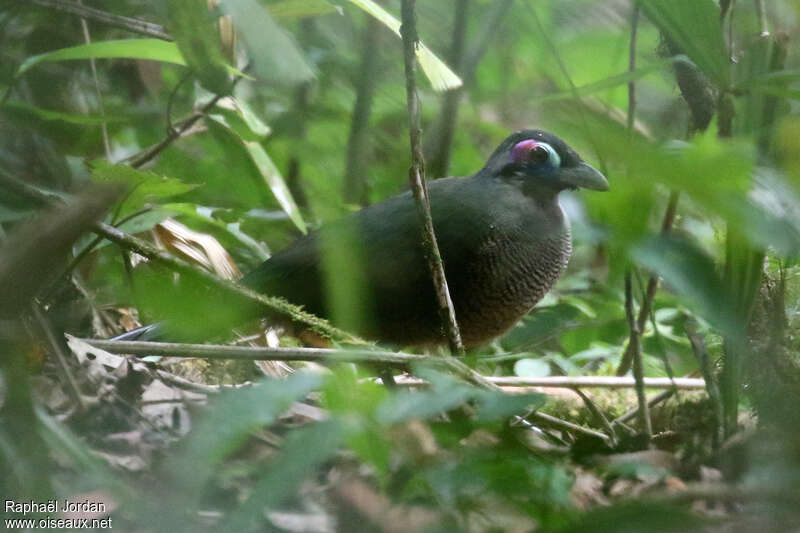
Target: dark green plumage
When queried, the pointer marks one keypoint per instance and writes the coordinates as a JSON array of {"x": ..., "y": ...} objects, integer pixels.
[{"x": 503, "y": 238}]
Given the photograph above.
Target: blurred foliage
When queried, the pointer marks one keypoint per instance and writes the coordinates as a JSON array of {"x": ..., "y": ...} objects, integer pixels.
[{"x": 266, "y": 163}]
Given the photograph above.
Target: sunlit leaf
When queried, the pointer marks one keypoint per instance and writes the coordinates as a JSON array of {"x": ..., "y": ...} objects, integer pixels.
[
  {"x": 153, "y": 49},
  {"x": 439, "y": 74},
  {"x": 271, "y": 176}
]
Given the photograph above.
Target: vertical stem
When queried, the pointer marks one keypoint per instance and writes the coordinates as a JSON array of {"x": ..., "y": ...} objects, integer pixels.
[
  {"x": 355, "y": 181},
  {"x": 638, "y": 370},
  {"x": 634, "y": 342},
  {"x": 104, "y": 128},
  {"x": 416, "y": 176},
  {"x": 448, "y": 115},
  {"x": 762, "y": 18}
]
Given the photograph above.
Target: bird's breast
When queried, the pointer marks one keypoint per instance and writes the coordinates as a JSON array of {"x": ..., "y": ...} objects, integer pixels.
[{"x": 509, "y": 274}]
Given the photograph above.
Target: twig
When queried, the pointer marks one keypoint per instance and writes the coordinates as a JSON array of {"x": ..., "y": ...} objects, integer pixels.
[
  {"x": 55, "y": 346},
  {"x": 96, "y": 15},
  {"x": 256, "y": 353},
  {"x": 704, "y": 360},
  {"x": 655, "y": 400},
  {"x": 579, "y": 382},
  {"x": 652, "y": 286},
  {"x": 416, "y": 176},
  {"x": 590, "y": 405},
  {"x": 638, "y": 370},
  {"x": 355, "y": 183},
  {"x": 567, "y": 426},
  {"x": 174, "y": 133}
]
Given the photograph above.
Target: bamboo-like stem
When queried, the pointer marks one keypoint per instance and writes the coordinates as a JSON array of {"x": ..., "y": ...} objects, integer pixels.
[{"x": 416, "y": 176}]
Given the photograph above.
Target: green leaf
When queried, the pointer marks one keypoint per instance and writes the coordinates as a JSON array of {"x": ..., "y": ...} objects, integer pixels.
[
  {"x": 153, "y": 49},
  {"x": 439, "y": 74},
  {"x": 234, "y": 415},
  {"x": 27, "y": 111},
  {"x": 276, "y": 183},
  {"x": 612, "y": 81},
  {"x": 496, "y": 405},
  {"x": 692, "y": 275},
  {"x": 239, "y": 117},
  {"x": 275, "y": 55},
  {"x": 635, "y": 516},
  {"x": 695, "y": 27},
  {"x": 145, "y": 187},
  {"x": 291, "y": 9},
  {"x": 304, "y": 451},
  {"x": 191, "y": 25},
  {"x": 445, "y": 393}
]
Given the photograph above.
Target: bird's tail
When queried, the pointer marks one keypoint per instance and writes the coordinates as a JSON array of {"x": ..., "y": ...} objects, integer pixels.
[{"x": 151, "y": 332}]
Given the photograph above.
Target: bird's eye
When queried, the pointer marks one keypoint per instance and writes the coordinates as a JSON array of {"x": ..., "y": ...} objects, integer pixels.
[{"x": 538, "y": 153}]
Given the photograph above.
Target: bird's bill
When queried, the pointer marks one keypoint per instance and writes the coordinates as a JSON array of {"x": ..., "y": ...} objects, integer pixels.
[{"x": 584, "y": 176}]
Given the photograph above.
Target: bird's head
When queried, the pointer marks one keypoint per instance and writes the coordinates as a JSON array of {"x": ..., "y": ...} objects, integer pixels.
[{"x": 540, "y": 160}]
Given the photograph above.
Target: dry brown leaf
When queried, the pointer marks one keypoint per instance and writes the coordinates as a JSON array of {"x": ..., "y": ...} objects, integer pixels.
[{"x": 199, "y": 248}]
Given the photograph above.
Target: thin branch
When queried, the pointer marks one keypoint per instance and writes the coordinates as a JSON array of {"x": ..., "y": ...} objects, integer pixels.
[
  {"x": 55, "y": 346},
  {"x": 256, "y": 353},
  {"x": 567, "y": 426},
  {"x": 96, "y": 15},
  {"x": 652, "y": 402},
  {"x": 638, "y": 372},
  {"x": 395, "y": 359},
  {"x": 416, "y": 176},
  {"x": 585, "y": 382}
]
